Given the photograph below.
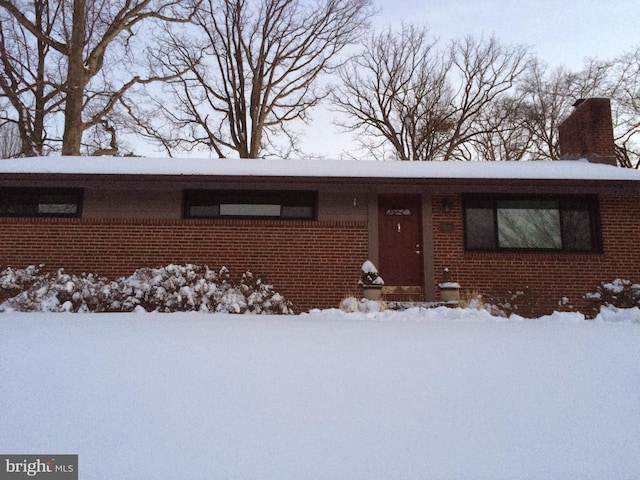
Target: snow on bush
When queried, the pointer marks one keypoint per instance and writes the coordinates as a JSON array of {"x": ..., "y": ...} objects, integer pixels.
[
  {"x": 262, "y": 298},
  {"x": 510, "y": 302},
  {"x": 60, "y": 292},
  {"x": 173, "y": 288},
  {"x": 15, "y": 280},
  {"x": 369, "y": 275},
  {"x": 617, "y": 294}
]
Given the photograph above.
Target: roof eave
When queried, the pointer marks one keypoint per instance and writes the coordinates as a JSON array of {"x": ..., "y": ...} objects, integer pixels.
[{"x": 450, "y": 183}]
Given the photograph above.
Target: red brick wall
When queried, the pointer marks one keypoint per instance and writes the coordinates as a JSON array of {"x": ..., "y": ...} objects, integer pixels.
[
  {"x": 314, "y": 264},
  {"x": 544, "y": 277},
  {"x": 588, "y": 132}
]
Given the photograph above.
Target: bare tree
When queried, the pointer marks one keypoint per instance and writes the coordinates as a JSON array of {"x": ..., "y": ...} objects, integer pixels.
[
  {"x": 502, "y": 134},
  {"x": 547, "y": 101},
  {"x": 624, "y": 89},
  {"x": 427, "y": 103},
  {"x": 10, "y": 144},
  {"x": 258, "y": 69},
  {"x": 91, "y": 37},
  {"x": 29, "y": 79},
  {"x": 396, "y": 93},
  {"x": 485, "y": 71},
  {"x": 548, "y": 98}
]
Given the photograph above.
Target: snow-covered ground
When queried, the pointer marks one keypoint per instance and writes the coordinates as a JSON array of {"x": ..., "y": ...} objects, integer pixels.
[{"x": 420, "y": 394}]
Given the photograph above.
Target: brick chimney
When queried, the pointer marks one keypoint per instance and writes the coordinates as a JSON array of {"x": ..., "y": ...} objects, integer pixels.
[{"x": 588, "y": 132}]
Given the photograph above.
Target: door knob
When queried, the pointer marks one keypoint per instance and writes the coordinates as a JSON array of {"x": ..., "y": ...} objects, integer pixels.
[{"x": 418, "y": 251}]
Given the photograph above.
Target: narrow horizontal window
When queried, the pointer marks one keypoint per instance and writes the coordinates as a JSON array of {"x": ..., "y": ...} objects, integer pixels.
[
  {"x": 398, "y": 211},
  {"x": 283, "y": 204},
  {"x": 40, "y": 202},
  {"x": 548, "y": 223},
  {"x": 249, "y": 210}
]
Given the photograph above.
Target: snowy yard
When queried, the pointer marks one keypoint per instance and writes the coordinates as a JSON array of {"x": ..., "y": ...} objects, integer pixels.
[{"x": 423, "y": 394}]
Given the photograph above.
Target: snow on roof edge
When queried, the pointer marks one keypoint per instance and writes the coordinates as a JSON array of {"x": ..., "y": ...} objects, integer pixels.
[{"x": 542, "y": 169}]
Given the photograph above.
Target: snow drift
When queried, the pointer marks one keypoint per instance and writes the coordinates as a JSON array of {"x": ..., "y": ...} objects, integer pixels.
[{"x": 440, "y": 393}]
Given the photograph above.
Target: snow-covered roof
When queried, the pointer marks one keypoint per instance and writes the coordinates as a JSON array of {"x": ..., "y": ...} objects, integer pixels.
[{"x": 529, "y": 170}]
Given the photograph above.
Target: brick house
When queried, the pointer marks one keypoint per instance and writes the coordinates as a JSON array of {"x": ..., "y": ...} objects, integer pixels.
[{"x": 551, "y": 229}]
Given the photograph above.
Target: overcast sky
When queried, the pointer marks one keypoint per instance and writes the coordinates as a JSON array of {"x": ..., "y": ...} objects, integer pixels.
[
  {"x": 562, "y": 32},
  {"x": 559, "y": 32}
]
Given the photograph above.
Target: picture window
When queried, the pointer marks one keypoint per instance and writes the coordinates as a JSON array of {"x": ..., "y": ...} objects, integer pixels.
[{"x": 549, "y": 223}]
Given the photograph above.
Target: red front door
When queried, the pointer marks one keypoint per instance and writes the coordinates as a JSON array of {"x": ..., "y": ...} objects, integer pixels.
[{"x": 400, "y": 241}]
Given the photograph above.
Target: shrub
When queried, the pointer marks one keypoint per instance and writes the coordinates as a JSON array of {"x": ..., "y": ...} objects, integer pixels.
[
  {"x": 369, "y": 275},
  {"x": 15, "y": 280},
  {"x": 261, "y": 297},
  {"x": 173, "y": 288},
  {"x": 503, "y": 305},
  {"x": 61, "y": 292},
  {"x": 618, "y": 293},
  {"x": 472, "y": 299}
]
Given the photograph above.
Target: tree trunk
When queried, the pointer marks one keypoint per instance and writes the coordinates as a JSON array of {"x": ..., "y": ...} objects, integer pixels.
[
  {"x": 76, "y": 81},
  {"x": 38, "y": 135}
]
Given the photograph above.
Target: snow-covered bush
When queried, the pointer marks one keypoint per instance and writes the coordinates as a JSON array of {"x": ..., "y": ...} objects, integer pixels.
[
  {"x": 179, "y": 288},
  {"x": 618, "y": 293},
  {"x": 174, "y": 288},
  {"x": 261, "y": 297},
  {"x": 369, "y": 275},
  {"x": 16, "y": 280},
  {"x": 62, "y": 292},
  {"x": 516, "y": 301}
]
